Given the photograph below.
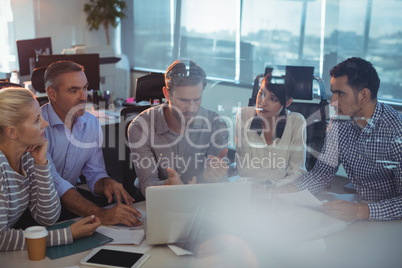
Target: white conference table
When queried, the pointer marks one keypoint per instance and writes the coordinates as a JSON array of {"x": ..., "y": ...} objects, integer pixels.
[{"x": 361, "y": 244}]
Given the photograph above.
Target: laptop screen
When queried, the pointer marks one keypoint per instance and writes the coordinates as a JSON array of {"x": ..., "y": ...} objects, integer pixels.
[{"x": 171, "y": 211}]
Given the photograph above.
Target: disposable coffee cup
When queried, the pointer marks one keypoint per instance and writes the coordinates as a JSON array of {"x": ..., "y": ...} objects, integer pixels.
[{"x": 35, "y": 238}]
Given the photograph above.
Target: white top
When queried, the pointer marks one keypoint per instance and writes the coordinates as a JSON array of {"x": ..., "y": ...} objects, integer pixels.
[{"x": 283, "y": 161}]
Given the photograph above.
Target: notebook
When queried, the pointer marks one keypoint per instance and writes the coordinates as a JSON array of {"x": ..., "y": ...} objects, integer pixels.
[
  {"x": 79, "y": 245},
  {"x": 172, "y": 211}
]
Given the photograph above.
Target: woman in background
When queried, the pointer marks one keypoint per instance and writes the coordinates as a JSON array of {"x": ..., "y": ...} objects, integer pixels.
[
  {"x": 25, "y": 179},
  {"x": 270, "y": 140}
]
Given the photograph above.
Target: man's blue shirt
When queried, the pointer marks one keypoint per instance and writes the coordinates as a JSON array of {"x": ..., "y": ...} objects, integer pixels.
[{"x": 74, "y": 153}]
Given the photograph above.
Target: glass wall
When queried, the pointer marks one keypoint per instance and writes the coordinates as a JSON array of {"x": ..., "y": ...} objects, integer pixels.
[
  {"x": 208, "y": 36},
  {"x": 7, "y": 42},
  {"x": 235, "y": 40},
  {"x": 147, "y": 34},
  {"x": 282, "y": 33}
]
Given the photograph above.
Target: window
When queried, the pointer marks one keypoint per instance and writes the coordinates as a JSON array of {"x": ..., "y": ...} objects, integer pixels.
[
  {"x": 7, "y": 42},
  {"x": 235, "y": 40},
  {"x": 147, "y": 38},
  {"x": 371, "y": 29},
  {"x": 282, "y": 33},
  {"x": 208, "y": 35}
]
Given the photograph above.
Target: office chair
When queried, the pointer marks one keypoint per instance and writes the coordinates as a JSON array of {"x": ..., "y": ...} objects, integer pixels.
[
  {"x": 38, "y": 79},
  {"x": 127, "y": 115},
  {"x": 149, "y": 87},
  {"x": 4, "y": 84},
  {"x": 317, "y": 118},
  {"x": 316, "y": 114},
  {"x": 38, "y": 83}
]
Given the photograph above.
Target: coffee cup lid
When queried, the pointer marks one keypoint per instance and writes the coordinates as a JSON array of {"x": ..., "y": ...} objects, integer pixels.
[{"x": 34, "y": 232}]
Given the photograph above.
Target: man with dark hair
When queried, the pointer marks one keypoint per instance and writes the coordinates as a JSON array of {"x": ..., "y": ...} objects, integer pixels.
[
  {"x": 366, "y": 139},
  {"x": 179, "y": 141},
  {"x": 75, "y": 138}
]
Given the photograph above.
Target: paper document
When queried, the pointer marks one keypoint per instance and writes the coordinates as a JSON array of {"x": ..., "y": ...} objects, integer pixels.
[
  {"x": 300, "y": 224},
  {"x": 302, "y": 198},
  {"x": 179, "y": 251},
  {"x": 125, "y": 227},
  {"x": 121, "y": 236}
]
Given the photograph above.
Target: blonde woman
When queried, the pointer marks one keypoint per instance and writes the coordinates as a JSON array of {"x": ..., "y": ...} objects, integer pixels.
[
  {"x": 25, "y": 179},
  {"x": 270, "y": 140}
]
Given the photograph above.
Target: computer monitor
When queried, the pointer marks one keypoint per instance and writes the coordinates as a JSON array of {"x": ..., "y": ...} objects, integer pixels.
[
  {"x": 89, "y": 61},
  {"x": 29, "y": 50}
]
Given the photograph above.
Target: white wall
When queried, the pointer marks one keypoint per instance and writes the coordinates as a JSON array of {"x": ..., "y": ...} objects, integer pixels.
[
  {"x": 64, "y": 21},
  {"x": 24, "y": 21}
]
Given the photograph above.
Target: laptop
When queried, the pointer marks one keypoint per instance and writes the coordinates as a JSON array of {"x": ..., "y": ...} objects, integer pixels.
[{"x": 174, "y": 212}]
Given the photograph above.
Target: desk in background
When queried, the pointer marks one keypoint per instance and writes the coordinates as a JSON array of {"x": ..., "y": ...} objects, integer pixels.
[{"x": 115, "y": 144}]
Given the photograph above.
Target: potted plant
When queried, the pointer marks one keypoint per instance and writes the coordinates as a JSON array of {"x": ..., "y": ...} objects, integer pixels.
[{"x": 104, "y": 12}]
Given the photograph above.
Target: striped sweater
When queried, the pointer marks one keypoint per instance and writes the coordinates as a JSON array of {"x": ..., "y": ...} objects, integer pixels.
[{"x": 35, "y": 191}]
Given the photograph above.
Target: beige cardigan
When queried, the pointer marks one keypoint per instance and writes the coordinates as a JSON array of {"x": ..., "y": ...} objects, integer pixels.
[{"x": 283, "y": 161}]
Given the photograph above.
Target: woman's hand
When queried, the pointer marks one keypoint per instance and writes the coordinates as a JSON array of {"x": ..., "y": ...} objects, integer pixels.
[
  {"x": 85, "y": 227},
  {"x": 39, "y": 152}
]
